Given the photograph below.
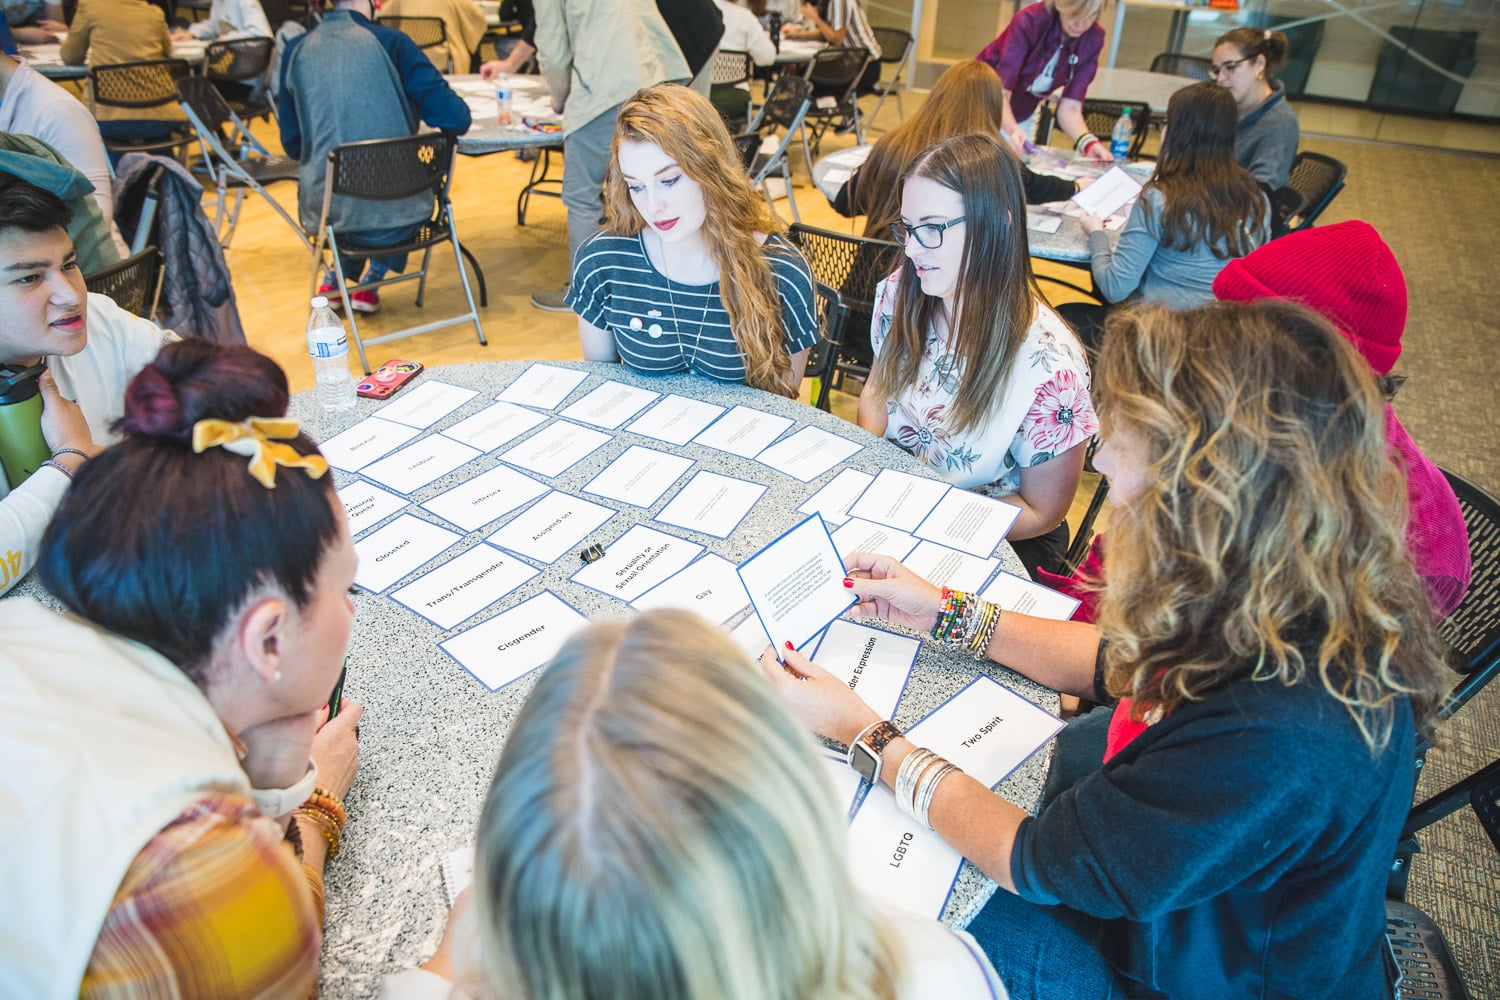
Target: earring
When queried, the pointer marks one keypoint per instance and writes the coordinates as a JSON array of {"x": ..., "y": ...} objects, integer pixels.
[{"x": 276, "y": 677}]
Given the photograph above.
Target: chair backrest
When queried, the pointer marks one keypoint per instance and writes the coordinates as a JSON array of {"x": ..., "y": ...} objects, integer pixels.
[
  {"x": 785, "y": 105},
  {"x": 133, "y": 283},
  {"x": 427, "y": 32},
  {"x": 1287, "y": 208},
  {"x": 205, "y": 106},
  {"x": 1473, "y": 629},
  {"x": 895, "y": 44},
  {"x": 731, "y": 66},
  {"x": 69, "y": 8},
  {"x": 1177, "y": 64},
  {"x": 748, "y": 145},
  {"x": 239, "y": 60},
  {"x": 1100, "y": 116},
  {"x": 838, "y": 67},
  {"x": 853, "y": 265},
  {"x": 388, "y": 169},
  {"x": 1318, "y": 178},
  {"x": 148, "y": 84}
]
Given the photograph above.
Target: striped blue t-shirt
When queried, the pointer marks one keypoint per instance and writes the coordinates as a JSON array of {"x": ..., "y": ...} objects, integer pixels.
[{"x": 663, "y": 326}]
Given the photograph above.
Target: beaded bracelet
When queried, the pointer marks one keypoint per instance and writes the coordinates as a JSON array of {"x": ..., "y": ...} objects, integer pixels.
[
  {"x": 54, "y": 464},
  {"x": 328, "y": 802},
  {"x": 325, "y": 823},
  {"x": 1082, "y": 142}
]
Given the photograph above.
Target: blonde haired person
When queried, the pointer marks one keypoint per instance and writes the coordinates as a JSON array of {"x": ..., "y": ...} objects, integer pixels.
[
  {"x": 1049, "y": 45},
  {"x": 659, "y": 826},
  {"x": 974, "y": 374},
  {"x": 691, "y": 271},
  {"x": 1273, "y": 657}
]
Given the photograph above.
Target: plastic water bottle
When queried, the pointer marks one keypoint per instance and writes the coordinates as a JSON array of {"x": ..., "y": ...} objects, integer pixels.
[
  {"x": 504, "y": 102},
  {"x": 328, "y": 346},
  {"x": 1119, "y": 139}
]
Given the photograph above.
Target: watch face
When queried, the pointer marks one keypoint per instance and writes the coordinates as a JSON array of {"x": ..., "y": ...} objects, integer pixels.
[{"x": 865, "y": 762}]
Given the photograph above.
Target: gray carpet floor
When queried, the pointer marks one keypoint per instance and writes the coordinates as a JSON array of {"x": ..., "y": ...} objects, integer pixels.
[{"x": 1439, "y": 213}]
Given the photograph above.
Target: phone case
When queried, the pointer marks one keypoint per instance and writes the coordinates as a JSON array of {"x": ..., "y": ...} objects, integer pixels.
[{"x": 387, "y": 379}]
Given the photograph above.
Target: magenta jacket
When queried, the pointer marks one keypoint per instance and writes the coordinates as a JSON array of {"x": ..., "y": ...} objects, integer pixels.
[{"x": 1024, "y": 48}]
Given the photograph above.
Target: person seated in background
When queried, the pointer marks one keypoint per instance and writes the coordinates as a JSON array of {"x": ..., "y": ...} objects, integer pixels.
[
  {"x": 1245, "y": 62},
  {"x": 1198, "y": 211},
  {"x": 107, "y": 32},
  {"x": 844, "y": 23},
  {"x": 1047, "y": 45},
  {"x": 172, "y": 790},
  {"x": 32, "y": 22},
  {"x": 974, "y": 374},
  {"x": 347, "y": 80},
  {"x": 1347, "y": 273},
  {"x": 33, "y": 105},
  {"x": 691, "y": 271},
  {"x": 463, "y": 24},
  {"x": 659, "y": 826},
  {"x": 29, "y": 159},
  {"x": 92, "y": 348},
  {"x": 968, "y": 97},
  {"x": 742, "y": 33},
  {"x": 1274, "y": 659},
  {"x": 516, "y": 52},
  {"x": 228, "y": 20}
]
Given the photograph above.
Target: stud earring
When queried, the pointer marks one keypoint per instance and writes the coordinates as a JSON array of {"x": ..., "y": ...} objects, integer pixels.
[{"x": 276, "y": 677}]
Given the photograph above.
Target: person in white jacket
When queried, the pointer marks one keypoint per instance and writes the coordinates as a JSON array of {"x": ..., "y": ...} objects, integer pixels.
[
  {"x": 92, "y": 348},
  {"x": 31, "y": 104},
  {"x": 228, "y": 20}
]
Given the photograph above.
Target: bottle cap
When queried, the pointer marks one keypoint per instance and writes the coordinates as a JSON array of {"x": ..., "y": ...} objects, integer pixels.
[{"x": 320, "y": 302}]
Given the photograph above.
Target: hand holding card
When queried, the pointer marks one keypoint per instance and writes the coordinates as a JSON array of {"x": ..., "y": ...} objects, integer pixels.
[{"x": 796, "y": 584}]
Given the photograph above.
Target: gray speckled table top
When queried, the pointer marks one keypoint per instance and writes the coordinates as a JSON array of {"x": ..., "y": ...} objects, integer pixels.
[{"x": 431, "y": 734}]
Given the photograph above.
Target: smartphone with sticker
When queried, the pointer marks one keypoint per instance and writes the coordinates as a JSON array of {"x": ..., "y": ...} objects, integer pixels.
[{"x": 387, "y": 379}]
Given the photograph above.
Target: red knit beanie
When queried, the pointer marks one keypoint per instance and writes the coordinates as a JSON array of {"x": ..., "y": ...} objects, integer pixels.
[{"x": 1344, "y": 271}]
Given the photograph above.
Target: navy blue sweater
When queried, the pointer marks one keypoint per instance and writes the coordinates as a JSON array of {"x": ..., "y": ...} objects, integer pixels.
[{"x": 1237, "y": 848}]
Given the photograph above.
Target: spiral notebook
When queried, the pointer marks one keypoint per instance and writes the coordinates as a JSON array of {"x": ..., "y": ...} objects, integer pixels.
[{"x": 458, "y": 871}]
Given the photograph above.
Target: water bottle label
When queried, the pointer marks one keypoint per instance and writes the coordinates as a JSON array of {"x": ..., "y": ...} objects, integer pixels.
[{"x": 327, "y": 342}]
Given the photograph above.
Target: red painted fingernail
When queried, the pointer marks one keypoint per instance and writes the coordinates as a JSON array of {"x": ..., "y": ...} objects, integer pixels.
[
  {"x": 325, "y": 706},
  {"x": 848, "y": 582},
  {"x": 789, "y": 645}
]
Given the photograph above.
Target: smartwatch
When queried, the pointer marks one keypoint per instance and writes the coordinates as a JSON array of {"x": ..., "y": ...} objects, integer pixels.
[{"x": 864, "y": 752}]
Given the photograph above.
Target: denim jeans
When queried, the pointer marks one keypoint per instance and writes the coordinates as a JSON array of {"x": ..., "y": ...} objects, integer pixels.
[
  {"x": 355, "y": 266},
  {"x": 1045, "y": 952}
]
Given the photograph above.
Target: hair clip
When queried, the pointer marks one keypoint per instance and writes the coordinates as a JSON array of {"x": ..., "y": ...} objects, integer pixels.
[{"x": 252, "y": 438}]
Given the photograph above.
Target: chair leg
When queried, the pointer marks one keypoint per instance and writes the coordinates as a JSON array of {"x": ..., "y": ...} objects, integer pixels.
[
  {"x": 422, "y": 281},
  {"x": 338, "y": 271},
  {"x": 463, "y": 277},
  {"x": 791, "y": 199},
  {"x": 234, "y": 217},
  {"x": 484, "y": 295}
]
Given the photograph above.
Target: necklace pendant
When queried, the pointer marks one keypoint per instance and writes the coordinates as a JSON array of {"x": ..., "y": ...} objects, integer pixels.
[
  {"x": 635, "y": 323},
  {"x": 654, "y": 330}
]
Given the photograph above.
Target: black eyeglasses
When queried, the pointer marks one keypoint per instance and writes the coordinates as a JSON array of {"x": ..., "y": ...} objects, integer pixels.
[
  {"x": 928, "y": 236},
  {"x": 1227, "y": 67}
]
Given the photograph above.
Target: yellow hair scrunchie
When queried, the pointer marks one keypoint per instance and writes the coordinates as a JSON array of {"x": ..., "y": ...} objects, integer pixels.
[{"x": 252, "y": 438}]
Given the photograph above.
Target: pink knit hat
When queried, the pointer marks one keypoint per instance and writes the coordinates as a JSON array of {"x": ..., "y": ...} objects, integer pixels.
[{"x": 1344, "y": 271}]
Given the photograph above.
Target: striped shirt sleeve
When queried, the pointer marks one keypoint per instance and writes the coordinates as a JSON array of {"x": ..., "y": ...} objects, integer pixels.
[{"x": 216, "y": 904}]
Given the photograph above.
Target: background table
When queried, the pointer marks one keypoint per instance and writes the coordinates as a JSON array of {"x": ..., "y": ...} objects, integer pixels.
[
  {"x": 1111, "y": 84},
  {"x": 432, "y": 734},
  {"x": 530, "y": 99},
  {"x": 47, "y": 59}
]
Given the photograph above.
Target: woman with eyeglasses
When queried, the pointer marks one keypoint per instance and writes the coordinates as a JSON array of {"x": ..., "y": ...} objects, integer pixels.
[
  {"x": 1245, "y": 61},
  {"x": 974, "y": 374}
]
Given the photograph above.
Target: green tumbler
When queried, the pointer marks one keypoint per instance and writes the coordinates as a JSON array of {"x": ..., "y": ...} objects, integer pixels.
[{"x": 22, "y": 447}]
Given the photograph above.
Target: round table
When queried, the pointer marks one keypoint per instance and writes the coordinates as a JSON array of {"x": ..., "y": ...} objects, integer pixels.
[{"x": 432, "y": 734}]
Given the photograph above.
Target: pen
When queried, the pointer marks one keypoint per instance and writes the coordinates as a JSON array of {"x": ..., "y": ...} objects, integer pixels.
[{"x": 336, "y": 699}]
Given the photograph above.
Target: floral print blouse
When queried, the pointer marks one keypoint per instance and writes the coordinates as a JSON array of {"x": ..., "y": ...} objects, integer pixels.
[{"x": 1043, "y": 410}]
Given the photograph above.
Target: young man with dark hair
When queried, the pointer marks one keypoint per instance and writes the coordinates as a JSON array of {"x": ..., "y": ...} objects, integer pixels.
[{"x": 92, "y": 349}]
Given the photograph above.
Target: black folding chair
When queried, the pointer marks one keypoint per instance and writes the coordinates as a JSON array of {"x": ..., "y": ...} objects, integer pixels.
[
  {"x": 852, "y": 266},
  {"x": 134, "y": 283},
  {"x": 895, "y": 50},
  {"x": 1100, "y": 117},
  {"x": 220, "y": 132},
  {"x": 427, "y": 32},
  {"x": 240, "y": 63},
  {"x": 140, "y": 86},
  {"x": 388, "y": 170},
  {"x": 780, "y": 116},
  {"x": 1177, "y": 64},
  {"x": 1318, "y": 179},
  {"x": 837, "y": 68},
  {"x": 732, "y": 68}
]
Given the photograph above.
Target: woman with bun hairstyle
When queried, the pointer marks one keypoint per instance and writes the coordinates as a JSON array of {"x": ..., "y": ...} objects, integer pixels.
[
  {"x": 691, "y": 272},
  {"x": 172, "y": 789},
  {"x": 1269, "y": 648},
  {"x": 660, "y": 826},
  {"x": 968, "y": 97},
  {"x": 1245, "y": 62}
]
